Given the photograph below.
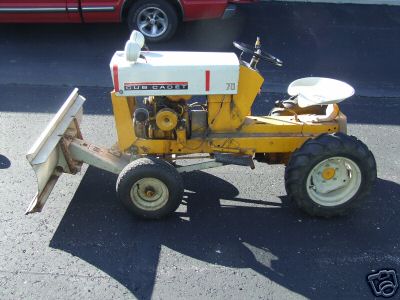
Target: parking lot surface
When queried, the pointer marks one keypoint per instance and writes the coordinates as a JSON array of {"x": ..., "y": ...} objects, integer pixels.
[{"x": 235, "y": 235}]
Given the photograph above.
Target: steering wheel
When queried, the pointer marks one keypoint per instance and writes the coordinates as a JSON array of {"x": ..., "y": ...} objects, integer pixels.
[{"x": 246, "y": 48}]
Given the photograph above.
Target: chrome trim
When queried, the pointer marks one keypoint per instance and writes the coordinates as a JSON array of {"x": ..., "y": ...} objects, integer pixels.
[
  {"x": 98, "y": 8},
  {"x": 152, "y": 22},
  {"x": 32, "y": 9},
  {"x": 229, "y": 12},
  {"x": 123, "y": 7},
  {"x": 181, "y": 6},
  {"x": 73, "y": 9}
]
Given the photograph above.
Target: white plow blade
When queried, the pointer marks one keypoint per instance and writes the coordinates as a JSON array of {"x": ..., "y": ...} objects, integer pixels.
[{"x": 48, "y": 156}]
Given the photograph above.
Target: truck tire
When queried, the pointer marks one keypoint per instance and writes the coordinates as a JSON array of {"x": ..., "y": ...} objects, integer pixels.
[
  {"x": 150, "y": 188},
  {"x": 330, "y": 175},
  {"x": 157, "y": 20}
]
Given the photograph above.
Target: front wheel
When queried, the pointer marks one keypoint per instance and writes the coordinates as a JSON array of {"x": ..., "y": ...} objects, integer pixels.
[
  {"x": 330, "y": 175},
  {"x": 150, "y": 188},
  {"x": 157, "y": 20}
]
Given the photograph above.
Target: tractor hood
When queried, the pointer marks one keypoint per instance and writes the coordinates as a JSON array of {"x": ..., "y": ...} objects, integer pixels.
[{"x": 160, "y": 73}]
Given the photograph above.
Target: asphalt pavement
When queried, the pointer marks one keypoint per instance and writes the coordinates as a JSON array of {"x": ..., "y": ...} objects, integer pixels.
[{"x": 235, "y": 235}]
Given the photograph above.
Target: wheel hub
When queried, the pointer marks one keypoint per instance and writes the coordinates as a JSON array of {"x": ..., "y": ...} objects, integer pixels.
[
  {"x": 149, "y": 193},
  {"x": 152, "y": 21},
  {"x": 333, "y": 181},
  {"x": 328, "y": 173}
]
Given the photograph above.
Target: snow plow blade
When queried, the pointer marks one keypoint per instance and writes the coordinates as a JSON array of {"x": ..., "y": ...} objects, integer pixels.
[{"x": 49, "y": 155}]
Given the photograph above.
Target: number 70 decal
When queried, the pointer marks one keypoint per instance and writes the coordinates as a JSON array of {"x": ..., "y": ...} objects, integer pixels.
[{"x": 230, "y": 86}]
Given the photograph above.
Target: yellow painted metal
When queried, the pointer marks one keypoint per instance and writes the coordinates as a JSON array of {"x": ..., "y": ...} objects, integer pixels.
[
  {"x": 258, "y": 135},
  {"x": 181, "y": 136},
  {"x": 131, "y": 104},
  {"x": 280, "y": 125},
  {"x": 245, "y": 145},
  {"x": 179, "y": 98},
  {"x": 219, "y": 113},
  {"x": 227, "y": 112},
  {"x": 328, "y": 173},
  {"x": 166, "y": 119},
  {"x": 232, "y": 128},
  {"x": 275, "y": 138},
  {"x": 250, "y": 82},
  {"x": 123, "y": 108}
]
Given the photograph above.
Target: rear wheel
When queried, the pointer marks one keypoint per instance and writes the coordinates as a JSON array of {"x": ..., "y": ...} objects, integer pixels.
[
  {"x": 156, "y": 20},
  {"x": 330, "y": 175},
  {"x": 150, "y": 188}
]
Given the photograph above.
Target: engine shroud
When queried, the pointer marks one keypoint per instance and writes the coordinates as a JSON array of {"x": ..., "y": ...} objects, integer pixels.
[{"x": 162, "y": 116}]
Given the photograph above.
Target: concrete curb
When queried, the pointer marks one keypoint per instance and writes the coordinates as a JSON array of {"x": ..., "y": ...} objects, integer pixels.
[{"x": 366, "y": 2}]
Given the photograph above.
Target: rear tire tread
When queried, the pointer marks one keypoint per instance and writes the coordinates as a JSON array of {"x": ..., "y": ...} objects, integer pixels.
[{"x": 318, "y": 149}]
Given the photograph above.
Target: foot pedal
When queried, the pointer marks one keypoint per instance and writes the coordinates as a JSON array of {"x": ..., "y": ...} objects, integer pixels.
[{"x": 230, "y": 159}]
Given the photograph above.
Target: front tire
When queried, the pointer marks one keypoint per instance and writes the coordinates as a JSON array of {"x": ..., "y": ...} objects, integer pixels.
[
  {"x": 150, "y": 188},
  {"x": 330, "y": 175},
  {"x": 156, "y": 20}
]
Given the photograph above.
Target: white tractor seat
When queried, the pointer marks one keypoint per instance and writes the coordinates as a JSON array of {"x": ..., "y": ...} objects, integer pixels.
[{"x": 319, "y": 91}]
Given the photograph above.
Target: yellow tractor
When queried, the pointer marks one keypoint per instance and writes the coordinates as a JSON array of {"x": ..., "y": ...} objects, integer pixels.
[{"x": 170, "y": 106}]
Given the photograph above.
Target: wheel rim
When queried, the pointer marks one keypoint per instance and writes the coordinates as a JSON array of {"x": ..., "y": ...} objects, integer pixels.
[
  {"x": 152, "y": 21},
  {"x": 334, "y": 181},
  {"x": 149, "y": 194}
]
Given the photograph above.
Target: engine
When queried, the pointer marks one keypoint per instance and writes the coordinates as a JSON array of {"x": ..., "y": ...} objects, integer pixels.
[{"x": 165, "y": 117}]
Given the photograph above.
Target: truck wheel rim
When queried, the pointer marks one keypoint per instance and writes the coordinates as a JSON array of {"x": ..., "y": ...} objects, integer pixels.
[
  {"x": 152, "y": 21},
  {"x": 149, "y": 194},
  {"x": 334, "y": 181}
]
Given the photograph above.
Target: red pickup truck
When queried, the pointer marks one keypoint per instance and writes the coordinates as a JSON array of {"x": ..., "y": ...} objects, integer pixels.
[{"x": 156, "y": 19}]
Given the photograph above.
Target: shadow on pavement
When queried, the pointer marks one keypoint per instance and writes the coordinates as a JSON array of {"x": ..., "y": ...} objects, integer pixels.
[
  {"x": 313, "y": 257},
  {"x": 5, "y": 163}
]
